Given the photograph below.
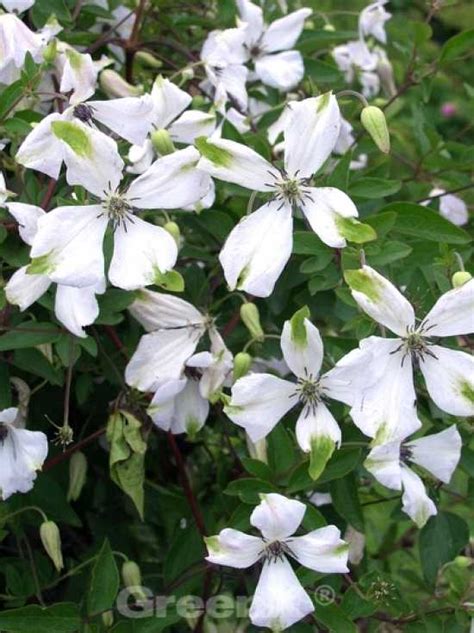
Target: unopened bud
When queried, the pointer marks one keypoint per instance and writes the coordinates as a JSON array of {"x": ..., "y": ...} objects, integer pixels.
[
  {"x": 460, "y": 278},
  {"x": 251, "y": 318},
  {"x": 162, "y": 142},
  {"x": 50, "y": 51},
  {"x": 242, "y": 362},
  {"x": 463, "y": 561},
  {"x": 147, "y": 59},
  {"x": 373, "y": 119},
  {"x": 115, "y": 86},
  {"x": 51, "y": 539},
  {"x": 77, "y": 475},
  {"x": 108, "y": 619},
  {"x": 187, "y": 74},
  {"x": 328, "y": 27},
  {"x": 132, "y": 579},
  {"x": 173, "y": 230}
]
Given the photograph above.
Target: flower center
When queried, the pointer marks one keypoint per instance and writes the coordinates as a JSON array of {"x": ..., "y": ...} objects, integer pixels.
[
  {"x": 308, "y": 392},
  {"x": 83, "y": 112},
  {"x": 416, "y": 346},
  {"x": 291, "y": 190},
  {"x": 405, "y": 453},
  {"x": 3, "y": 432},
  {"x": 275, "y": 551},
  {"x": 118, "y": 210}
]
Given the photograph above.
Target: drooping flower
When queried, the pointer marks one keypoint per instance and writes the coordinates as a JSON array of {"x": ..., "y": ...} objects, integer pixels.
[
  {"x": 438, "y": 454},
  {"x": 279, "y": 600},
  {"x": 258, "y": 248},
  {"x": 16, "y": 40},
  {"x": 357, "y": 61},
  {"x": 268, "y": 46},
  {"x": 372, "y": 21},
  {"x": 386, "y": 410},
  {"x": 22, "y": 453},
  {"x": 259, "y": 401},
  {"x": 74, "y": 307},
  {"x": 451, "y": 207}
]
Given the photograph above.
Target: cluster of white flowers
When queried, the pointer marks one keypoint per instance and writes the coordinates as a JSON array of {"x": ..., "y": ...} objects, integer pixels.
[{"x": 173, "y": 153}]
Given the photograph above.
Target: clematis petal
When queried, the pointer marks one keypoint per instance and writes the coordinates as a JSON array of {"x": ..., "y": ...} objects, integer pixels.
[
  {"x": 162, "y": 407},
  {"x": 279, "y": 600},
  {"x": 347, "y": 379},
  {"x": 317, "y": 120},
  {"x": 452, "y": 314},
  {"x": 41, "y": 150},
  {"x": 160, "y": 356},
  {"x": 171, "y": 182},
  {"x": 277, "y": 517},
  {"x": 416, "y": 503},
  {"x": 383, "y": 462},
  {"x": 282, "y": 34},
  {"x": 439, "y": 453},
  {"x": 23, "y": 289},
  {"x": 27, "y": 216},
  {"x": 258, "y": 402},
  {"x": 449, "y": 377},
  {"x": 252, "y": 15},
  {"x": 191, "y": 410},
  {"x": 76, "y": 307},
  {"x": 156, "y": 310},
  {"x": 22, "y": 453},
  {"x": 219, "y": 367},
  {"x": 140, "y": 157},
  {"x": 257, "y": 249},
  {"x": 302, "y": 347},
  {"x": 381, "y": 300},
  {"x": 316, "y": 425},
  {"x": 79, "y": 75},
  {"x": 129, "y": 117},
  {"x": 322, "y": 550},
  {"x": 233, "y": 548},
  {"x": 192, "y": 124},
  {"x": 142, "y": 251},
  {"x": 325, "y": 208},
  {"x": 282, "y": 71},
  {"x": 169, "y": 101},
  {"x": 58, "y": 246}
]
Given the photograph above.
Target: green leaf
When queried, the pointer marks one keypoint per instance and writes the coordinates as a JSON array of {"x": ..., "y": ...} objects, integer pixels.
[
  {"x": 248, "y": 489},
  {"x": 341, "y": 463},
  {"x": 58, "y": 618},
  {"x": 390, "y": 252},
  {"x": 374, "y": 188},
  {"x": 457, "y": 46},
  {"x": 345, "y": 498},
  {"x": 257, "y": 468},
  {"x": 9, "y": 97},
  {"x": 172, "y": 281},
  {"x": 29, "y": 334},
  {"x": 333, "y": 617},
  {"x": 418, "y": 221},
  {"x": 440, "y": 541},
  {"x": 321, "y": 72},
  {"x": 307, "y": 243},
  {"x": 105, "y": 581}
]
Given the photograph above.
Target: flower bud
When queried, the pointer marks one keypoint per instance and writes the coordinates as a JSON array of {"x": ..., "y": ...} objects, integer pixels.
[
  {"x": 108, "y": 619},
  {"x": 132, "y": 579},
  {"x": 373, "y": 119},
  {"x": 329, "y": 27},
  {"x": 147, "y": 59},
  {"x": 460, "y": 278},
  {"x": 173, "y": 230},
  {"x": 251, "y": 318},
  {"x": 50, "y": 51},
  {"x": 162, "y": 142},
  {"x": 77, "y": 475},
  {"x": 462, "y": 561},
  {"x": 187, "y": 74},
  {"x": 51, "y": 539},
  {"x": 242, "y": 362},
  {"x": 115, "y": 86}
]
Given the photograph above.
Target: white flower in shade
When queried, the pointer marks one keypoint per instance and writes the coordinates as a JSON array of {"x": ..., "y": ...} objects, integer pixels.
[
  {"x": 268, "y": 46},
  {"x": 259, "y": 401},
  {"x": 51, "y": 141},
  {"x": 451, "y": 207},
  {"x": 17, "y": 5},
  {"x": 372, "y": 21},
  {"x": 356, "y": 61},
  {"x": 174, "y": 328},
  {"x": 223, "y": 55},
  {"x": 16, "y": 40},
  {"x": 279, "y": 600},
  {"x": 22, "y": 453},
  {"x": 386, "y": 409},
  {"x": 258, "y": 248},
  {"x": 74, "y": 307},
  {"x": 438, "y": 454},
  {"x": 168, "y": 117},
  {"x": 78, "y": 73},
  {"x": 143, "y": 252},
  {"x": 345, "y": 142}
]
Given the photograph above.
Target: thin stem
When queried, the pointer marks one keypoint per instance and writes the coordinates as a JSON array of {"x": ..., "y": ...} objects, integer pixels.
[
  {"x": 57, "y": 459},
  {"x": 25, "y": 509},
  {"x": 34, "y": 573},
  {"x": 446, "y": 193},
  {"x": 353, "y": 93}
]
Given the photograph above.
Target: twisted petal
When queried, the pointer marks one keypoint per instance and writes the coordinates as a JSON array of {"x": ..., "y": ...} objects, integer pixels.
[
  {"x": 23, "y": 289},
  {"x": 453, "y": 313},
  {"x": 27, "y": 216},
  {"x": 22, "y": 453},
  {"x": 168, "y": 102},
  {"x": 162, "y": 407},
  {"x": 76, "y": 307},
  {"x": 383, "y": 462},
  {"x": 280, "y": 70},
  {"x": 129, "y": 117},
  {"x": 156, "y": 310}
]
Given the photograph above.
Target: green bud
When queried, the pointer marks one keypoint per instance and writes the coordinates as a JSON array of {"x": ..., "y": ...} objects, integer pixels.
[
  {"x": 162, "y": 142},
  {"x": 147, "y": 59},
  {"x": 77, "y": 475},
  {"x": 460, "y": 278},
  {"x": 108, "y": 619},
  {"x": 173, "y": 230},
  {"x": 187, "y": 74},
  {"x": 329, "y": 27},
  {"x": 51, "y": 539},
  {"x": 373, "y": 119},
  {"x": 115, "y": 86},
  {"x": 132, "y": 578},
  {"x": 50, "y": 52},
  {"x": 462, "y": 561},
  {"x": 251, "y": 318},
  {"x": 242, "y": 362}
]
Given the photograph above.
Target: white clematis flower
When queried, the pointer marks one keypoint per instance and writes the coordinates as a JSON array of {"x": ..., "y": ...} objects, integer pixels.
[
  {"x": 259, "y": 401},
  {"x": 438, "y": 454},
  {"x": 22, "y": 453},
  {"x": 279, "y": 600},
  {"x": 268, "y": 46},
  {"x": 372, "y": 21},
  {"x": 258, "y": 248},
  {"x": 143, "y": 252},
  {"x": 17, "y": 5},
  {"x": 355, "y": 60},
  {"x": 16, "y": 40},
  {"x": 386, "y": 409},
  {"x": 451, "y": 207},
  {"x": 74, "y": 307}
]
